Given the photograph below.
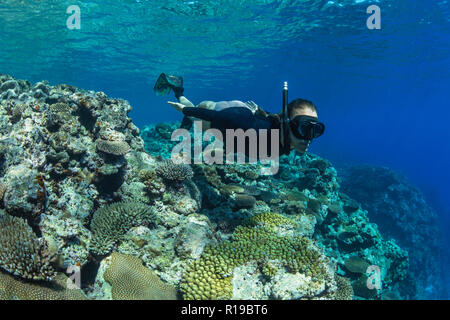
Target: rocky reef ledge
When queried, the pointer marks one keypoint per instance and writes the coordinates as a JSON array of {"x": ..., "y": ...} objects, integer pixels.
[{"x": 102, "y": 215}]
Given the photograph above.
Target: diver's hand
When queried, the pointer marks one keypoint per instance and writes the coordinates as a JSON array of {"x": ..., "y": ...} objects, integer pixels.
[
  {"x": 252, "y": 105},
  {"x": 178, "y": 106}
]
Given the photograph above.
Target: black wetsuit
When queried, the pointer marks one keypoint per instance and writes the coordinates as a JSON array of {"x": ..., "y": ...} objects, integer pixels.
[{"x": 238, "y": 118}]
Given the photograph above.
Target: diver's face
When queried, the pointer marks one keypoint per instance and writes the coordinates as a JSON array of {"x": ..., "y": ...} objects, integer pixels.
[{"x": 299, "y": 144}]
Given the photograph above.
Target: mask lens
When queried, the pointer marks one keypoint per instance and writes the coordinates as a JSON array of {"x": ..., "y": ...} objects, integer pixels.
[{"x": 308, "y": 129}]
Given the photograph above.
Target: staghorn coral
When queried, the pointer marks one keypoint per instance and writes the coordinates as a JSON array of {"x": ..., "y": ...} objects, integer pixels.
[
  {"x": 110, "y": 223},
  {"x": 22, "y": 253},
  {"x": 344, "y": 289},
  {"x": 130, "y": 280},
  {"x": 12, "y": 288},
  {"x": 117, "y": 148},
  {"x": 174, "y": 172},
  {"x": 211, "y": 276}
]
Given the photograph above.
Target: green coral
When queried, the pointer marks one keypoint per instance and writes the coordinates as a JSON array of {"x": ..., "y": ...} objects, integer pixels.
[
  {"x": 210, "y": 277},
  {"x": 130, "y": 280},
  {"x": 269, "y": 270},
  {"x": 111, "y": 222}
]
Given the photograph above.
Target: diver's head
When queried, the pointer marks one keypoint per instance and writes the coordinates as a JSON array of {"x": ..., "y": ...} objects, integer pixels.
[{"x": 303, "y": 124}]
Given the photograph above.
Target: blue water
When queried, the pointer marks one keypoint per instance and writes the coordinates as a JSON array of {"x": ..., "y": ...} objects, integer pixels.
[{"x": 383, "y": 94}]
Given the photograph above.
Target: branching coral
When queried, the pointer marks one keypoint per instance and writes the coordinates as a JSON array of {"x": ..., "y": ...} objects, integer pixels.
[
  {"x": 22, "y": 253},
  {"x": 174, "y": 172},
  {"x": 130, "y": 280},
  {"x": 210, "y": 277},
  {"x": 110, "y": 223}
]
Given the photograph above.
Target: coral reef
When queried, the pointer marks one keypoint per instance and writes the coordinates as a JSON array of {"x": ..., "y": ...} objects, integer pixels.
[{"x": 75, "y": 167}]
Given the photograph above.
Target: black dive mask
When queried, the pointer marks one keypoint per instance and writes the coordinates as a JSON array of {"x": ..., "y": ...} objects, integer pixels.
[{"x": 306, "y": 127}]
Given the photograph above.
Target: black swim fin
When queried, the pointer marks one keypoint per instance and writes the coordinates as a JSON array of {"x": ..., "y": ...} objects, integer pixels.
[
  {"x": 186, "y": 123},
  {"x": 166, "y": 82}
]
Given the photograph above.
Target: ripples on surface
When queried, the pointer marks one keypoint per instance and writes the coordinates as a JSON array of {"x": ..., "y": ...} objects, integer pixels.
[{"x": 138, "y": 39}]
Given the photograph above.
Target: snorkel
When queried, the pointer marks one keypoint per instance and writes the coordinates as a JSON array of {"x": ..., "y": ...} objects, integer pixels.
[{"x": 285, "y": 118}]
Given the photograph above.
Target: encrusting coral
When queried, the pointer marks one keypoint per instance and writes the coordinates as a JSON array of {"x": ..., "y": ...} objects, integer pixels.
[
  {"x": 111, "y": 222},
  {"x": 130, "y": 280},
  {"x": 22, "y": 253}
]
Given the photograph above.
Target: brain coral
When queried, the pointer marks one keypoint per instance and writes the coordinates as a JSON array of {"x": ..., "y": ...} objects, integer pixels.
[
  {"x": 174, "y": 172},
  {"x": 12, "y": 288},
  {"x": 117, "y": 148},
  {"x": 111, "y": 222},
  {"x": 22, "y": 253},
  {"x": 130, "y": 280}
]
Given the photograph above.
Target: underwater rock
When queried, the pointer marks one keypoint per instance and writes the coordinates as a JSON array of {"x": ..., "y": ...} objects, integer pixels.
[
  {"x": 361, "y": 289},
  {"x": 356, "y": 265},
  {"x": 195, "y": 233},
  {"x": 244, "y": 201}
]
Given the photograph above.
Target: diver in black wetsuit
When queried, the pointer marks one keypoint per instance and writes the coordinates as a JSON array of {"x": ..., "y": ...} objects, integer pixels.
[{"x": 298, "y": 122}]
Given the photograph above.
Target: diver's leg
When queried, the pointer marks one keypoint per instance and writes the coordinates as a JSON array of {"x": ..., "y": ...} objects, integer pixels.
[
  {"x": 185, "y": 101},
  {"x": 207, "y": 104}
]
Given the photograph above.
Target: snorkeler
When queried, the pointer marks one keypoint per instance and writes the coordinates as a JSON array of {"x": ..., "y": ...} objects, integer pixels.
[{"x": 298, "y": 121}]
